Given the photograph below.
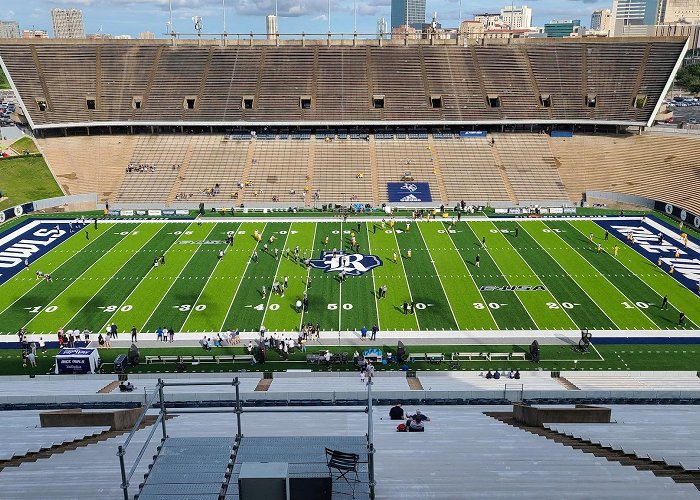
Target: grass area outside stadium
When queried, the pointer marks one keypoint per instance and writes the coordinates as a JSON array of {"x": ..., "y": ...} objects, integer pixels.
[{"x": 26, "y": 178}]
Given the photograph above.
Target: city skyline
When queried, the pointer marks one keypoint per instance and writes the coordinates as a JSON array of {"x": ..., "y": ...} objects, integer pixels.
[{"x": 243, "y": 16}]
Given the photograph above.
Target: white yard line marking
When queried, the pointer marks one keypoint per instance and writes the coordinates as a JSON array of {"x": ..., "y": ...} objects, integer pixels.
[
  {"x": 374, "y": 284},
  {"x": 472, "y": 279},
  {"x": 571, "y": 276},
  {"x": 174, "y": 281},
  {"x": 274, "y": 276},
  {"x": 308, "y": 273},
  {"x": 238, "y": 287},
  {"x": 52, "y": 301},
  {"x": 54, "y": 270},
  {"x": 438, "y": 275},
  {"x": 113, "y": 275},
  {"x": 410, "y": 295},
  {"x": 218, "y": 261}
]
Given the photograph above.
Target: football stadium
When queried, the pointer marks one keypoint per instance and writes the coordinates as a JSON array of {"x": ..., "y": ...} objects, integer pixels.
[{"x": 240, "y": 268}]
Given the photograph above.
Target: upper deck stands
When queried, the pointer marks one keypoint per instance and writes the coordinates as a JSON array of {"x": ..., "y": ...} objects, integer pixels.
[{"x": 530, "y": 81}]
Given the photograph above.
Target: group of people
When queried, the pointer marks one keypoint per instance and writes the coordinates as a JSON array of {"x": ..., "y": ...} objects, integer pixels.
[
  {"x": 497, "y": 375},
  {"x": 413, "y": 423},
  {"x": 141, "y": 167},
  {"x": 43, "y": 276},
  {"x": 229, "y": 338},
  {"x": 212, "y": 191}
]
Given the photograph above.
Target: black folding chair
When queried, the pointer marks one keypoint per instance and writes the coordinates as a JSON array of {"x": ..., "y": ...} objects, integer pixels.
[{"x": 343, "y": 464}]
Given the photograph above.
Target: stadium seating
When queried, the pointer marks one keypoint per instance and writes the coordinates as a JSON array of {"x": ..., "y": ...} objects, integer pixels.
[
  {"x": 661, "y": 167},
  {"x": 204, "y": 82}
]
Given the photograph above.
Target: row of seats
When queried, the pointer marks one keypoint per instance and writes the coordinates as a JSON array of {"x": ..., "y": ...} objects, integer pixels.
[
  {"x": 514, "y": 168},
  {"x": 206, "y": 82}
]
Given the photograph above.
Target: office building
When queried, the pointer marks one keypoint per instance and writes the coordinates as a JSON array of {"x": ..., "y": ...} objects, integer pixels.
[
  {"x": 636, "y": 17},
  {"x": 517, "y": 17},
  {"x": 601, "y": 20},
  {"x": 679, "y": 11},
  {"x": 488, "y": 20},
  {"x": 9, "y": 29},
  {"x": 67, "y": 23},
  {"x": 407, "y": 13},
  {"x": 271, "y": 27},
  {"x": 147, "y": 35},
  {"x": 561, "y": 28}
]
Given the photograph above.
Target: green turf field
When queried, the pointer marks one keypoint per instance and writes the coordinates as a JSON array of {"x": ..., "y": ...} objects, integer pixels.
[
  {"x": 111, "y": 278},
  {"x": 26, "y": 178}
]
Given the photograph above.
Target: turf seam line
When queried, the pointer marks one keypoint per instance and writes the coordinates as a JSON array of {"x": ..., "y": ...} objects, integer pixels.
[{"x": 374, "y": 283}]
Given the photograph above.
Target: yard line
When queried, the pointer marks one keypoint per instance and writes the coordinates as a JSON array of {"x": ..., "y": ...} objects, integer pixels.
[
  {"x": 501, "y": 272},
  {"x": 81, "y": 274},
  {"x": 194, "y": 304},
  {"x": 410, "y": 295},
  {"x": 374, "y": 285},
  {"x": 438, "y": 275},
  {"x": 555, "y": 260},
  {"x": 228, "y": 311},
  {"x": 535, "y": 274},
  {"x": 643, "y": 311},
  {"x": 472, "y": 278},
  {"x": 111, "y": 318},
  {"x": 173, "y": 283},
  {"x": 113, "y": 275},
  {"x": 308, "y": 273},
  {"x": 274, "y": 277},
  {"x": 340, "y": 286},
  {"x": 53, "y": 270}
]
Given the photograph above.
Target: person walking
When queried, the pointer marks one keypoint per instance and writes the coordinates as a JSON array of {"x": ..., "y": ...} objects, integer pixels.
[
  {"x": 133, "y": 334},
  {"x": 373, "y": 335},
  {"x": 664, "y": 302}
]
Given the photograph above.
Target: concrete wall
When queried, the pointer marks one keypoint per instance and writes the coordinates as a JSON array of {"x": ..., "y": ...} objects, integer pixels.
[
  {"x": 534, "y": 416},
  {"x": 117, "y": 420}
]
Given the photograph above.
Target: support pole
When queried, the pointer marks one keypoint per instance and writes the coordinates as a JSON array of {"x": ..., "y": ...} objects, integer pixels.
[
  {"x": 370, "y": 441},
  {"x": 163, "y": 411},
  {"x": 237, "y": 384}
]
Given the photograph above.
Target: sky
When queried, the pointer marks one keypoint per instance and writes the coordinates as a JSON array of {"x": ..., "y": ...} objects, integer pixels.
[{"x": 131, "y": 17}]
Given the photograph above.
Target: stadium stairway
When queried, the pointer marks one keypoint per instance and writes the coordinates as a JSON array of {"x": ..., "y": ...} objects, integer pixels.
[
  {"x": 373, "y": 168},
  {"x": 658, "y": 468},
  {"x": 184, "y": 166},
  {"x": 504, "y": 175},
  {"x": 437, "y": 170},
  {"x": 308, "y": 200}
]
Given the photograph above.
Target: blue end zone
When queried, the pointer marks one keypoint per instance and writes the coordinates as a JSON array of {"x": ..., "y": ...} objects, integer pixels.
[
  {"x": 648, "y": 243},
  {"x": 30, "y": 240}
]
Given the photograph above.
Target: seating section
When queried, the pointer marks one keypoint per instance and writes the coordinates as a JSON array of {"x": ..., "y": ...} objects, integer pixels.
[
  {"x": 342, "y": 171},
  {"x": 655, "y": 166},
  {"x": 530, "y": 167},
  {"x": 470, "y": 171},
  {"x": 89, "y": 164},
  {"x": 202, "y": 81},
  {"x": 534, "y": 168},
  {"x": 214, "y": 161},
  {"x": 154, "y": 167},
  {"x": 406, "y": 159}
]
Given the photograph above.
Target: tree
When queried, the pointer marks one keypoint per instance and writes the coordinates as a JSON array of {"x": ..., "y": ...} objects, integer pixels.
[{"x": 689, "y": 78}]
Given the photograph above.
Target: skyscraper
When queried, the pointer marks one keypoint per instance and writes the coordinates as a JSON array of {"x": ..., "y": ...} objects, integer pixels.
[
  {"x": 9, "y": 29},
  {"x": 601, "y": 20},
  {"x": 517, "y": 17},
  {"x": 382, "y": 28},
  {"x": 407, "y": 13},
  {"x": 67, "y": 23}
]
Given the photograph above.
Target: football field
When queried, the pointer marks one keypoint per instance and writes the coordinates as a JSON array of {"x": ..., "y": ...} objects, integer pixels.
[{"x": 532, "y": 274}]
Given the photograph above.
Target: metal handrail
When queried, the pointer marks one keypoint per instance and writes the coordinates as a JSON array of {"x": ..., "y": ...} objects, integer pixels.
[
  {"x": 238, "y": 410},
  {"x": 143, "y": 448}
]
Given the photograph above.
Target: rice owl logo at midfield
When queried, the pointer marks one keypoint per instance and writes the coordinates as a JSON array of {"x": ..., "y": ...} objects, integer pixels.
[{"x": 352, "y": 264}]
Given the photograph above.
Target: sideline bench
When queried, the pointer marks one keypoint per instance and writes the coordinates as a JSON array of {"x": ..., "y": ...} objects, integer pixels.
[
  {"x": 498, "y": 355},
  {"x": 417, "y": 356},
  {"x": 517, "y": 355},
  {"x": 248, "y": 358},
  {"x": 468, "y": 356},
  {"x": 435, "y": 357}
]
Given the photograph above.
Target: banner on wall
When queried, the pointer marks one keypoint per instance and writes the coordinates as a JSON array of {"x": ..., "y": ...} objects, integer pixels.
[
  {"x": 678, "y": 213},
  {"x": 409, "y": 192}
]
